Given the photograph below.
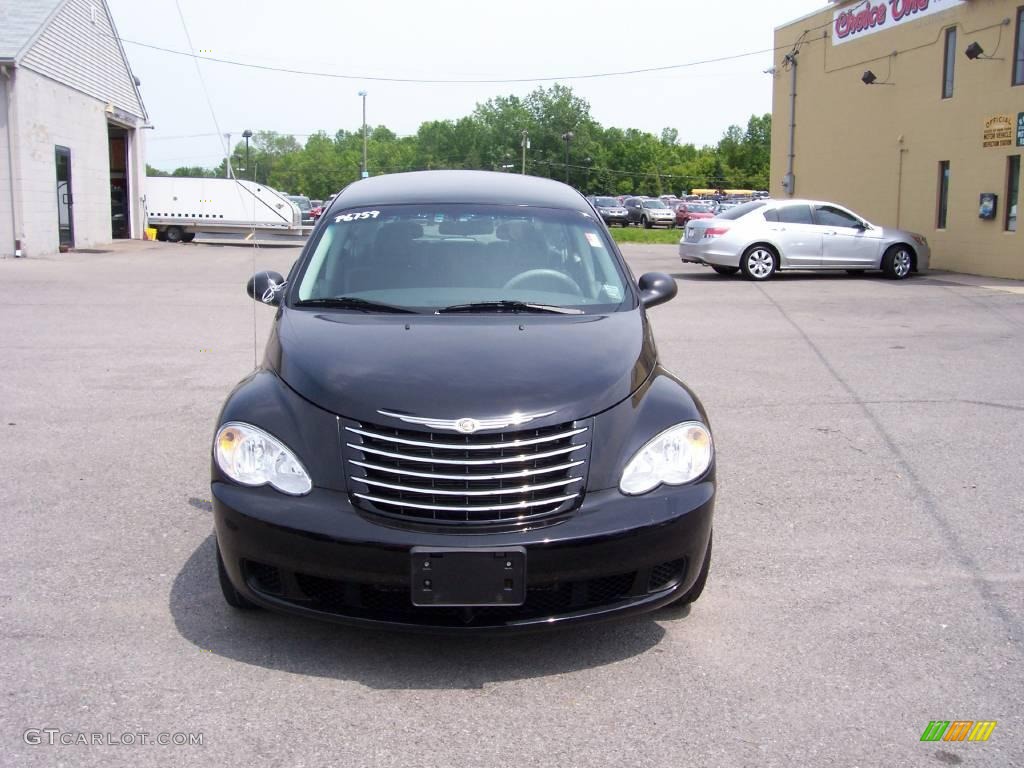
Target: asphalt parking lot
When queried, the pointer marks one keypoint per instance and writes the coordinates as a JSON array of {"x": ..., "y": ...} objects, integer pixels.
[{"x": 868, "y": 546}]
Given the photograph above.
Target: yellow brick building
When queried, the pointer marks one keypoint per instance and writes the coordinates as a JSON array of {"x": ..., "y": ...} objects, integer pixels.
[{"x": 910, "y": 112}]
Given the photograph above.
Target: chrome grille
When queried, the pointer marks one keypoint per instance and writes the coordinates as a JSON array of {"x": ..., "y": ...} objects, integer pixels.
[{"x": 450, "y": 479}]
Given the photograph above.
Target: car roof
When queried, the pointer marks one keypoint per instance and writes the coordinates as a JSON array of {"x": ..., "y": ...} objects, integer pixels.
[{"x": 483, "y": 187}]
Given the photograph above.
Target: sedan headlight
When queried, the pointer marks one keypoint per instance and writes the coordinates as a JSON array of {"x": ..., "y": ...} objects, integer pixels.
[
  {"x": 250, "y": 456},
  {"x": 678, "y": 455}
]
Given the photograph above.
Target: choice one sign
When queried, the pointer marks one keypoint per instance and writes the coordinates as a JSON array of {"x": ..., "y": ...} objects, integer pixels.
[{"x": 866, "y": 18}]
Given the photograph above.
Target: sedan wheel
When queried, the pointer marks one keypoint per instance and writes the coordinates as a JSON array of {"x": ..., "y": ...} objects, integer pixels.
[
  {"x": 758, "y": 263},
  {"x": 897, "y": 262}
]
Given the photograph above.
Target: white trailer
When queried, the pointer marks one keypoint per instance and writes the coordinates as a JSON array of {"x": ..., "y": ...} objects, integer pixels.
[{"x": 179, "y": 207}]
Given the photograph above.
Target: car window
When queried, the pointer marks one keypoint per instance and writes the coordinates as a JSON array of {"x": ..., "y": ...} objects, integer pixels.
[
  {"x": 830, "y": 216},
  {"x": 654, "y": 204},
  {"x": 741, "y": 210},
  {"x": 607, "y": 202},
  {"x": 771, "y": 215},
  {"x": 795, "y": 214},
  {"x": 425, "y": 257}
]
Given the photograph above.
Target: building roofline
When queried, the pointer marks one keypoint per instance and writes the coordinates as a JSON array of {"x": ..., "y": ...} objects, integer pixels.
[
  {"x": 39, "y": 31},
  {"x": 806, "y": 16},
  {"x": 127, "y": 64}
]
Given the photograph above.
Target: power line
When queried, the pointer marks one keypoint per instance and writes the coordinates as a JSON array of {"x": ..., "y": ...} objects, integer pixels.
[{"x": 456, "y": 81}]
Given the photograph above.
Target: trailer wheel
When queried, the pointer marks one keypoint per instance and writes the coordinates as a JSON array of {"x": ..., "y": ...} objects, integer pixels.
[
  {"x": 188, "y": 237},
  {"x": 161, "y": 235},
  {"x": 175, "y": 234}
]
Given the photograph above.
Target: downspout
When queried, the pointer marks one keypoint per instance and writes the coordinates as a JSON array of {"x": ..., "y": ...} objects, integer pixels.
[
  {"x": 10, "y": 159},
  {"x": 788, "y": 180}
]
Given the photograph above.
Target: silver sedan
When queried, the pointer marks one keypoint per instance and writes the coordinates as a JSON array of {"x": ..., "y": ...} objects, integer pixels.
[{"x": 765, "y": 236}]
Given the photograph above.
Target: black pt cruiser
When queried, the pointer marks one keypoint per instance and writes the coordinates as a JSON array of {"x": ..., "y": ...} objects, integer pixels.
[{"x": 460, "y": 421}]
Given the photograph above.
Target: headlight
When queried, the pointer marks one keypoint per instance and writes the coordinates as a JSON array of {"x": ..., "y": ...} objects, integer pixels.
[
  {"x": 250, "y": 456},
  {"x": 678, "y": 455}
]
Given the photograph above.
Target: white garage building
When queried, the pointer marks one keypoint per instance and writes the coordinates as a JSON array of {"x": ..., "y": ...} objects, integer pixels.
[{"x": 72, "y": 167}]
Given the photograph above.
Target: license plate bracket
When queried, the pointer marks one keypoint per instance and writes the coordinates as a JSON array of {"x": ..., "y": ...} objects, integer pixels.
[{"x": 444, "y": 577}]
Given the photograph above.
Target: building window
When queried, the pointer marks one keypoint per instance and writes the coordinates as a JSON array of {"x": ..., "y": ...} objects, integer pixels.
[
  {"x": 1012, "y": 191},
  {"x": 949, "y": 64},
  {"x": 940, "y": 219},
  {"x": 1018, "y": 50}
]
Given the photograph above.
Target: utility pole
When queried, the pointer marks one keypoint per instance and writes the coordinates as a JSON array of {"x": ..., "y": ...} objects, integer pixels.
[
  {"x": 227, "y": 158},
  {"x": 567, "y": 136},
  {"x": 365, "y": 172},
  {"x": 526, "y": 146},
  {"x": 247, "y": 134}
]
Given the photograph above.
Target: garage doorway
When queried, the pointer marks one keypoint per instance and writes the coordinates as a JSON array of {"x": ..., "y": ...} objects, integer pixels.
[
  {"x": 65, "y": 199},
  {"x": 120, "y": 222}
]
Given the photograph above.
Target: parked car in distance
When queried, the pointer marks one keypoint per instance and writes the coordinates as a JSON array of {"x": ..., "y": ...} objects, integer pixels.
[
  {"x": 305, "y": 207},
  {"x": 610, "y": 210},
  {"x": 649, "y": 212},
  {"x": 765, "y": 236},
  {"x": 692, "y": 210},
  {"x": 419, "y": 449}
]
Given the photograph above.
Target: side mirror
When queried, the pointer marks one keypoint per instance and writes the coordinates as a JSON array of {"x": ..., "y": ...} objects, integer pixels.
[
  {"x": 656, "y": 288},
  {"x": 266, "y": 288}
]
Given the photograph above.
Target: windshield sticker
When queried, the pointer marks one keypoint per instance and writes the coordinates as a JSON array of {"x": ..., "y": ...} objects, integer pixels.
[
  {"x": 613, "y": 292},
  {"x": 361, "y": 216},
  {"x": 594, "y": 240}
]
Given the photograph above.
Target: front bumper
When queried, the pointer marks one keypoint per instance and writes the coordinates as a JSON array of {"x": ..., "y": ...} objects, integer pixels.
[
  {"x": 615, "y": 218},
  {"x": 316, "y": 555}
]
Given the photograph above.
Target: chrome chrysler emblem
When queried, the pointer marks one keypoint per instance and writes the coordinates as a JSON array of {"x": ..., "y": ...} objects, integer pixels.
[{"x": 466, "y": 425}]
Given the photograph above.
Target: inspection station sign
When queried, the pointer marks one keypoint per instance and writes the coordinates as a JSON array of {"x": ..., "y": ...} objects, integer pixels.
[
  {"x": 858, "y": 20},
  {"x": 998, "y": 132}
]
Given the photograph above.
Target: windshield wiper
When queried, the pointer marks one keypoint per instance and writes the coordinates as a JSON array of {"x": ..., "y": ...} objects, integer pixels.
[
  {"x": 510, "y": 306},
  {"x": 352, "y": 302}
]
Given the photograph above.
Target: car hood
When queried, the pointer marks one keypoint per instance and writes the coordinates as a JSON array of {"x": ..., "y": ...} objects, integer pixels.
[{"x": 455, "y": 366}]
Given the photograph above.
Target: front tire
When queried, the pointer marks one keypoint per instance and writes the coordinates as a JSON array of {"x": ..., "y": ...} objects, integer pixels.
[
  {"x": 645, "y": 222},
  {"x": 725, "y": 270},
  {"x": 174, "y": 234},
  {"x": 898, "y": 262},
  {"x": 759, "y": 263},
  {"x": 232, "y": 596}
]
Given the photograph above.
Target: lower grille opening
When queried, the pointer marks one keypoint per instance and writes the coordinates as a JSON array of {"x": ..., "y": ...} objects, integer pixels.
[
  {"x": 265, "y": 578},
  {"x": 666, "y": 574},
  {"x": 393, "y": 603}
]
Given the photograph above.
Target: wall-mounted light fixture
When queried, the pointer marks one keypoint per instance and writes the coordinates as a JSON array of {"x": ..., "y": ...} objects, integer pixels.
[
  {"x": 975, "y": 51},
  {"x": 868, "y": 77}
]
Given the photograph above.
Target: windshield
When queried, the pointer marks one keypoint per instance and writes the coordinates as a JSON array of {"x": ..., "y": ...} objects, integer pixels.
[
  {"x": 431, "y": 257},
  {"x": 694, "y": 208},
  {"x": 654, "y": 204},
  {"x": 741, "y": 210},
  {"x": 302, "y": 202},
  {"x": 607, "y": 202}
]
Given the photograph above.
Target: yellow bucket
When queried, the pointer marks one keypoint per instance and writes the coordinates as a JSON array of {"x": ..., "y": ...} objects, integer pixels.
[{"x": 151, "y": 233}]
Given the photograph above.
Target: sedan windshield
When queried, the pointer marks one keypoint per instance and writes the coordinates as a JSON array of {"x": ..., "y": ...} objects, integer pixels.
[{"x": 462, "y": 258}]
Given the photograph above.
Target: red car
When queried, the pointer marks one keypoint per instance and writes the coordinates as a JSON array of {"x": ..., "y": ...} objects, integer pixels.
[{"x": 696, "y": 210}]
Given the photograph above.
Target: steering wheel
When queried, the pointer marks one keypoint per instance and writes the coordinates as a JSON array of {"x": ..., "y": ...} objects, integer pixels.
[{"x": 545, "y": 274}]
